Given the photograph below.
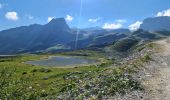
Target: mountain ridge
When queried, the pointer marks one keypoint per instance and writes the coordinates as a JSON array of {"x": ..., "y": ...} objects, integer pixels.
[
  {"x": 161, "y": 23},
  {"x": 35, "y": 37},
  {"x": 58, "y": 35}
]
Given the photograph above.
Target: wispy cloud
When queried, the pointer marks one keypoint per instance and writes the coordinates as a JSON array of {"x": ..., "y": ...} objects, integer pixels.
[
  {"x": 94, "y": 20},
  {"x": 121, "y": 20},
  {"x": 164, "y": 13},
  {"x": 69, "y": 18},
  {"x": 13, "y": 16},
  {"x": 112, "y": 26},
  {"x": 50, "y": 18},
  {"x": 135, "y": 26}
]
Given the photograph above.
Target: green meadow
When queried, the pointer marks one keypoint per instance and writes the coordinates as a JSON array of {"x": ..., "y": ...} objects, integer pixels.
[{"x": 105, "y": 78}]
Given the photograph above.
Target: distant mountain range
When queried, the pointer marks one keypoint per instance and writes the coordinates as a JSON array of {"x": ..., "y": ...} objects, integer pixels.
[
  {"x": 57, "y": 36},
  {"x": 156, "y": 24},
  {"x": 35, "y": 37}
]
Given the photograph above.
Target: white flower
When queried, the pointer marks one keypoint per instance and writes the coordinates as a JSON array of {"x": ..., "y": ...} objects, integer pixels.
[{"x": 43, "y": 90}]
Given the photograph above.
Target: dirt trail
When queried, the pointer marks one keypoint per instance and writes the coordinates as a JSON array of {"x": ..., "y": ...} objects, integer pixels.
[
  {"x": 164, "y": 46},
  {"x": 158, "y": 82}
]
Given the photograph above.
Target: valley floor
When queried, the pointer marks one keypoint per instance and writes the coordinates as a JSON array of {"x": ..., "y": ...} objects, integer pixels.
[{"x": 157, "y": 81}]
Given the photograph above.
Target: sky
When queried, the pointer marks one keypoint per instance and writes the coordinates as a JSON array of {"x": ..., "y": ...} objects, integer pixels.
[{"x": 108, "y": 14}]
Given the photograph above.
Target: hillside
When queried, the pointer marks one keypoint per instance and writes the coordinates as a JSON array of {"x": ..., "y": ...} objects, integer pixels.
[{"x": 110, "y": 77}]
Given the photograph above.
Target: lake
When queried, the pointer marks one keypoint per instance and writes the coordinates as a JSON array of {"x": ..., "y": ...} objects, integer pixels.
[
  {"x": 6, "y": 56},
  {"x": 62, "y": 61}
]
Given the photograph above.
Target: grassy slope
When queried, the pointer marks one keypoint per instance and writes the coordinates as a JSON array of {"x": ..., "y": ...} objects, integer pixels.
[
  {"x": 19, "y": 80},
  {"x": 39, "y": 77}
]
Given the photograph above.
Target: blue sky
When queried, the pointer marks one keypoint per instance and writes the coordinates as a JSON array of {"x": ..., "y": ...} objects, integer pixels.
[{"x": 104, "y": 13}]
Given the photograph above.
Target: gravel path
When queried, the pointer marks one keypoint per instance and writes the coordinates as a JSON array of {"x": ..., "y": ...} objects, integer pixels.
[{"x": 158, "y": 80}]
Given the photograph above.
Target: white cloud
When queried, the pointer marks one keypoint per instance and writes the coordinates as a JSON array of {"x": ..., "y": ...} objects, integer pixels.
[
  {"x": 164, "y": 13},
  {"x": 135, "y": 25},
  {"x": 69, "y": 18},
  {"x": 50, "y": 18},
  {"x": 121, "y": 20},
  {"x": 94, "y": 20},
  {"x": 12, "y": 16},
  {"x": 112, "y": 26}
]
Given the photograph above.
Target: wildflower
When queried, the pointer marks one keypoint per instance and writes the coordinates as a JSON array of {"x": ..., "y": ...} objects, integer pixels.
[
  {"x": 43, "y": 90},
  {"x": 30, "y": 87}
]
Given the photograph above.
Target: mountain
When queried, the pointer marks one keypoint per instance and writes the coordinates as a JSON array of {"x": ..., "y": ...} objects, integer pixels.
[
  {"x": 156, "y": 24},
  {"x": 96, "y": 36},
  {"x": 54, "y": 36},
  {"x": 92, "y": 28},
  {"x": 120, "y": 31},
  {"x": 108, "y": 39},
  {"x": 35, "y": 37}
]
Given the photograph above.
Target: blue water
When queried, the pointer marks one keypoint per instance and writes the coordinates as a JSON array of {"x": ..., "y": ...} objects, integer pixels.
[{"x": 62, "y": 61}]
